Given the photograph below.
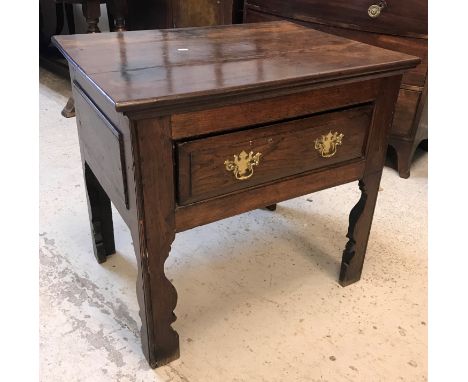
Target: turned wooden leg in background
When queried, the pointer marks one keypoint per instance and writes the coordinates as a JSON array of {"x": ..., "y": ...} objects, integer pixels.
[
  {"x": 91, "y": 12},
  {"x": 117, "y": 9},
  {"x": 152, "y": 238},
  {"x": 360, "y": 221},
  {"x": 100, "y": 217}
]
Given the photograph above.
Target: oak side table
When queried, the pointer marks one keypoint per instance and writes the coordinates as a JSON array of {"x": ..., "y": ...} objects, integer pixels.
[{"x": 180, "y": 128}]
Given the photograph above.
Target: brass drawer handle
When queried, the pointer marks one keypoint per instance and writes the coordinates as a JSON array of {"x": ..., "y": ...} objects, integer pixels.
[
  {"x": 375, "y": 9},
  {"x": 243, "y": 164},
  {"x": 327, "y": 144}
]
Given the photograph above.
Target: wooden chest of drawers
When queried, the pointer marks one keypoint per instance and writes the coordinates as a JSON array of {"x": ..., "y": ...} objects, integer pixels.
[
  {"x": 395, "y": 24},
  {"x": 180, "y": 128}
]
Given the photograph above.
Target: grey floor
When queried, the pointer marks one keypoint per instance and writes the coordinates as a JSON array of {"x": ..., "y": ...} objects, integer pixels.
[{"x": 258, "y": 293}]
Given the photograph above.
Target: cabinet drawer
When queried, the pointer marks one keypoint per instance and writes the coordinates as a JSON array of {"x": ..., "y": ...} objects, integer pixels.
[
  {"x": 408, "y": 45},
  {"x": 399, "y": 17},
  {"x": 217, "y": 165}
]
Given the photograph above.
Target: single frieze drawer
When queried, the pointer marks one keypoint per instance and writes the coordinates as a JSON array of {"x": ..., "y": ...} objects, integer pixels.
[{"x": 217, "y": 165}]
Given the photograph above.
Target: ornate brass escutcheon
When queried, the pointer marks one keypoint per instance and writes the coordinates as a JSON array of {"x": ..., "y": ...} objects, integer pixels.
[
  {"x": 327, "y": 144},
  {"x": 243, "y": 164}
]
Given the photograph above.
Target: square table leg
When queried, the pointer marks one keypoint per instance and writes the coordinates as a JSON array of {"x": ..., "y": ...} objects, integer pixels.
[
  {"x": 152, "y": 239},
  {"x": 100, "y": 217},
  {"x": 360, "y": 222}
]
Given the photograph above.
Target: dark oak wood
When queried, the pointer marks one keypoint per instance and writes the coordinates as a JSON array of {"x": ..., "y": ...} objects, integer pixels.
[
  {"x": 273, "y": 109},
  {"x": 221, "y": 207},
  {"x": 156, "y": 124},
  {"x": 153, "y": 239},
  {"x": 360, "y": 218},
  {"x": 401, "y": 26},
  {"x": 146, "y": 69}
]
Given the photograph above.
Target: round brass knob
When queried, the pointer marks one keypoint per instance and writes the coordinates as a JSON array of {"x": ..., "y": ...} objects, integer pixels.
[{"x": 374, "y": 11}]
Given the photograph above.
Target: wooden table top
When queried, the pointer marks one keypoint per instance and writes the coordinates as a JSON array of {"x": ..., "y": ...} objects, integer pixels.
[{"x": 145, "y": 69}]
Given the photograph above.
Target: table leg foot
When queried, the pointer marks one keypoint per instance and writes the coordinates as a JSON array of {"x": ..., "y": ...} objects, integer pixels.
[
  {"x": 360, "y": 221},
  {"x": 405, "y": 154},
  {"x": 100, "y": 217},
  {"x": 69, "y": 109},
  {"x": 271, "y": 207},
  {"x": 157, "y": 298}
]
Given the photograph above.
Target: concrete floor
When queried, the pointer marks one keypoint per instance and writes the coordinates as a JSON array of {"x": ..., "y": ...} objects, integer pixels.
[{"x": 258, "y": 293}]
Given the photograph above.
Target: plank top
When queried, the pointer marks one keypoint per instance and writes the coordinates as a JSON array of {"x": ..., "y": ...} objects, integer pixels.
[{"x": 139, "y": 70}]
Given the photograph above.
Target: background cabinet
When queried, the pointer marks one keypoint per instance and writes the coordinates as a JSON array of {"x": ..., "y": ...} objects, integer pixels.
[
  {"x": 401, "y": 25},
  {"x": 152, "y": 14}
]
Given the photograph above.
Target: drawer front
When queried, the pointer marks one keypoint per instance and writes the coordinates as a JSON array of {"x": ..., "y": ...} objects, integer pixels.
[
  {"x": 412, "y": 46},
  {"x": 217, "y": 165},
  {"x": 405, "y": 111},
  {"x": 398, "y": 17}
]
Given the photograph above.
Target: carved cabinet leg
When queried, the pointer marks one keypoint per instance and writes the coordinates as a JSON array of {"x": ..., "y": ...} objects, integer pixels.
[
  {"x": 360, "y": 221},
  {"x": 153, "y": 235},
  {"x": 157, "y": 298},
  {"x": 100, "y": 217},
  {"x": 404, "y": 151}
]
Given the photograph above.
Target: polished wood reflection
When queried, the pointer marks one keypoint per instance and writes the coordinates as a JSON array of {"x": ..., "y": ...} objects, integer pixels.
[{"x": 143, "y": 68}]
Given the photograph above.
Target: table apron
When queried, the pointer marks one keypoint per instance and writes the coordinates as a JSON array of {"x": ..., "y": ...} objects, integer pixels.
[{"x": 228, "y": 205}]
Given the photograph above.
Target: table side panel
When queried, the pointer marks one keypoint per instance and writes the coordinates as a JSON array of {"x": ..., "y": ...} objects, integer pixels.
[{"x": 103, "y": 147}]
